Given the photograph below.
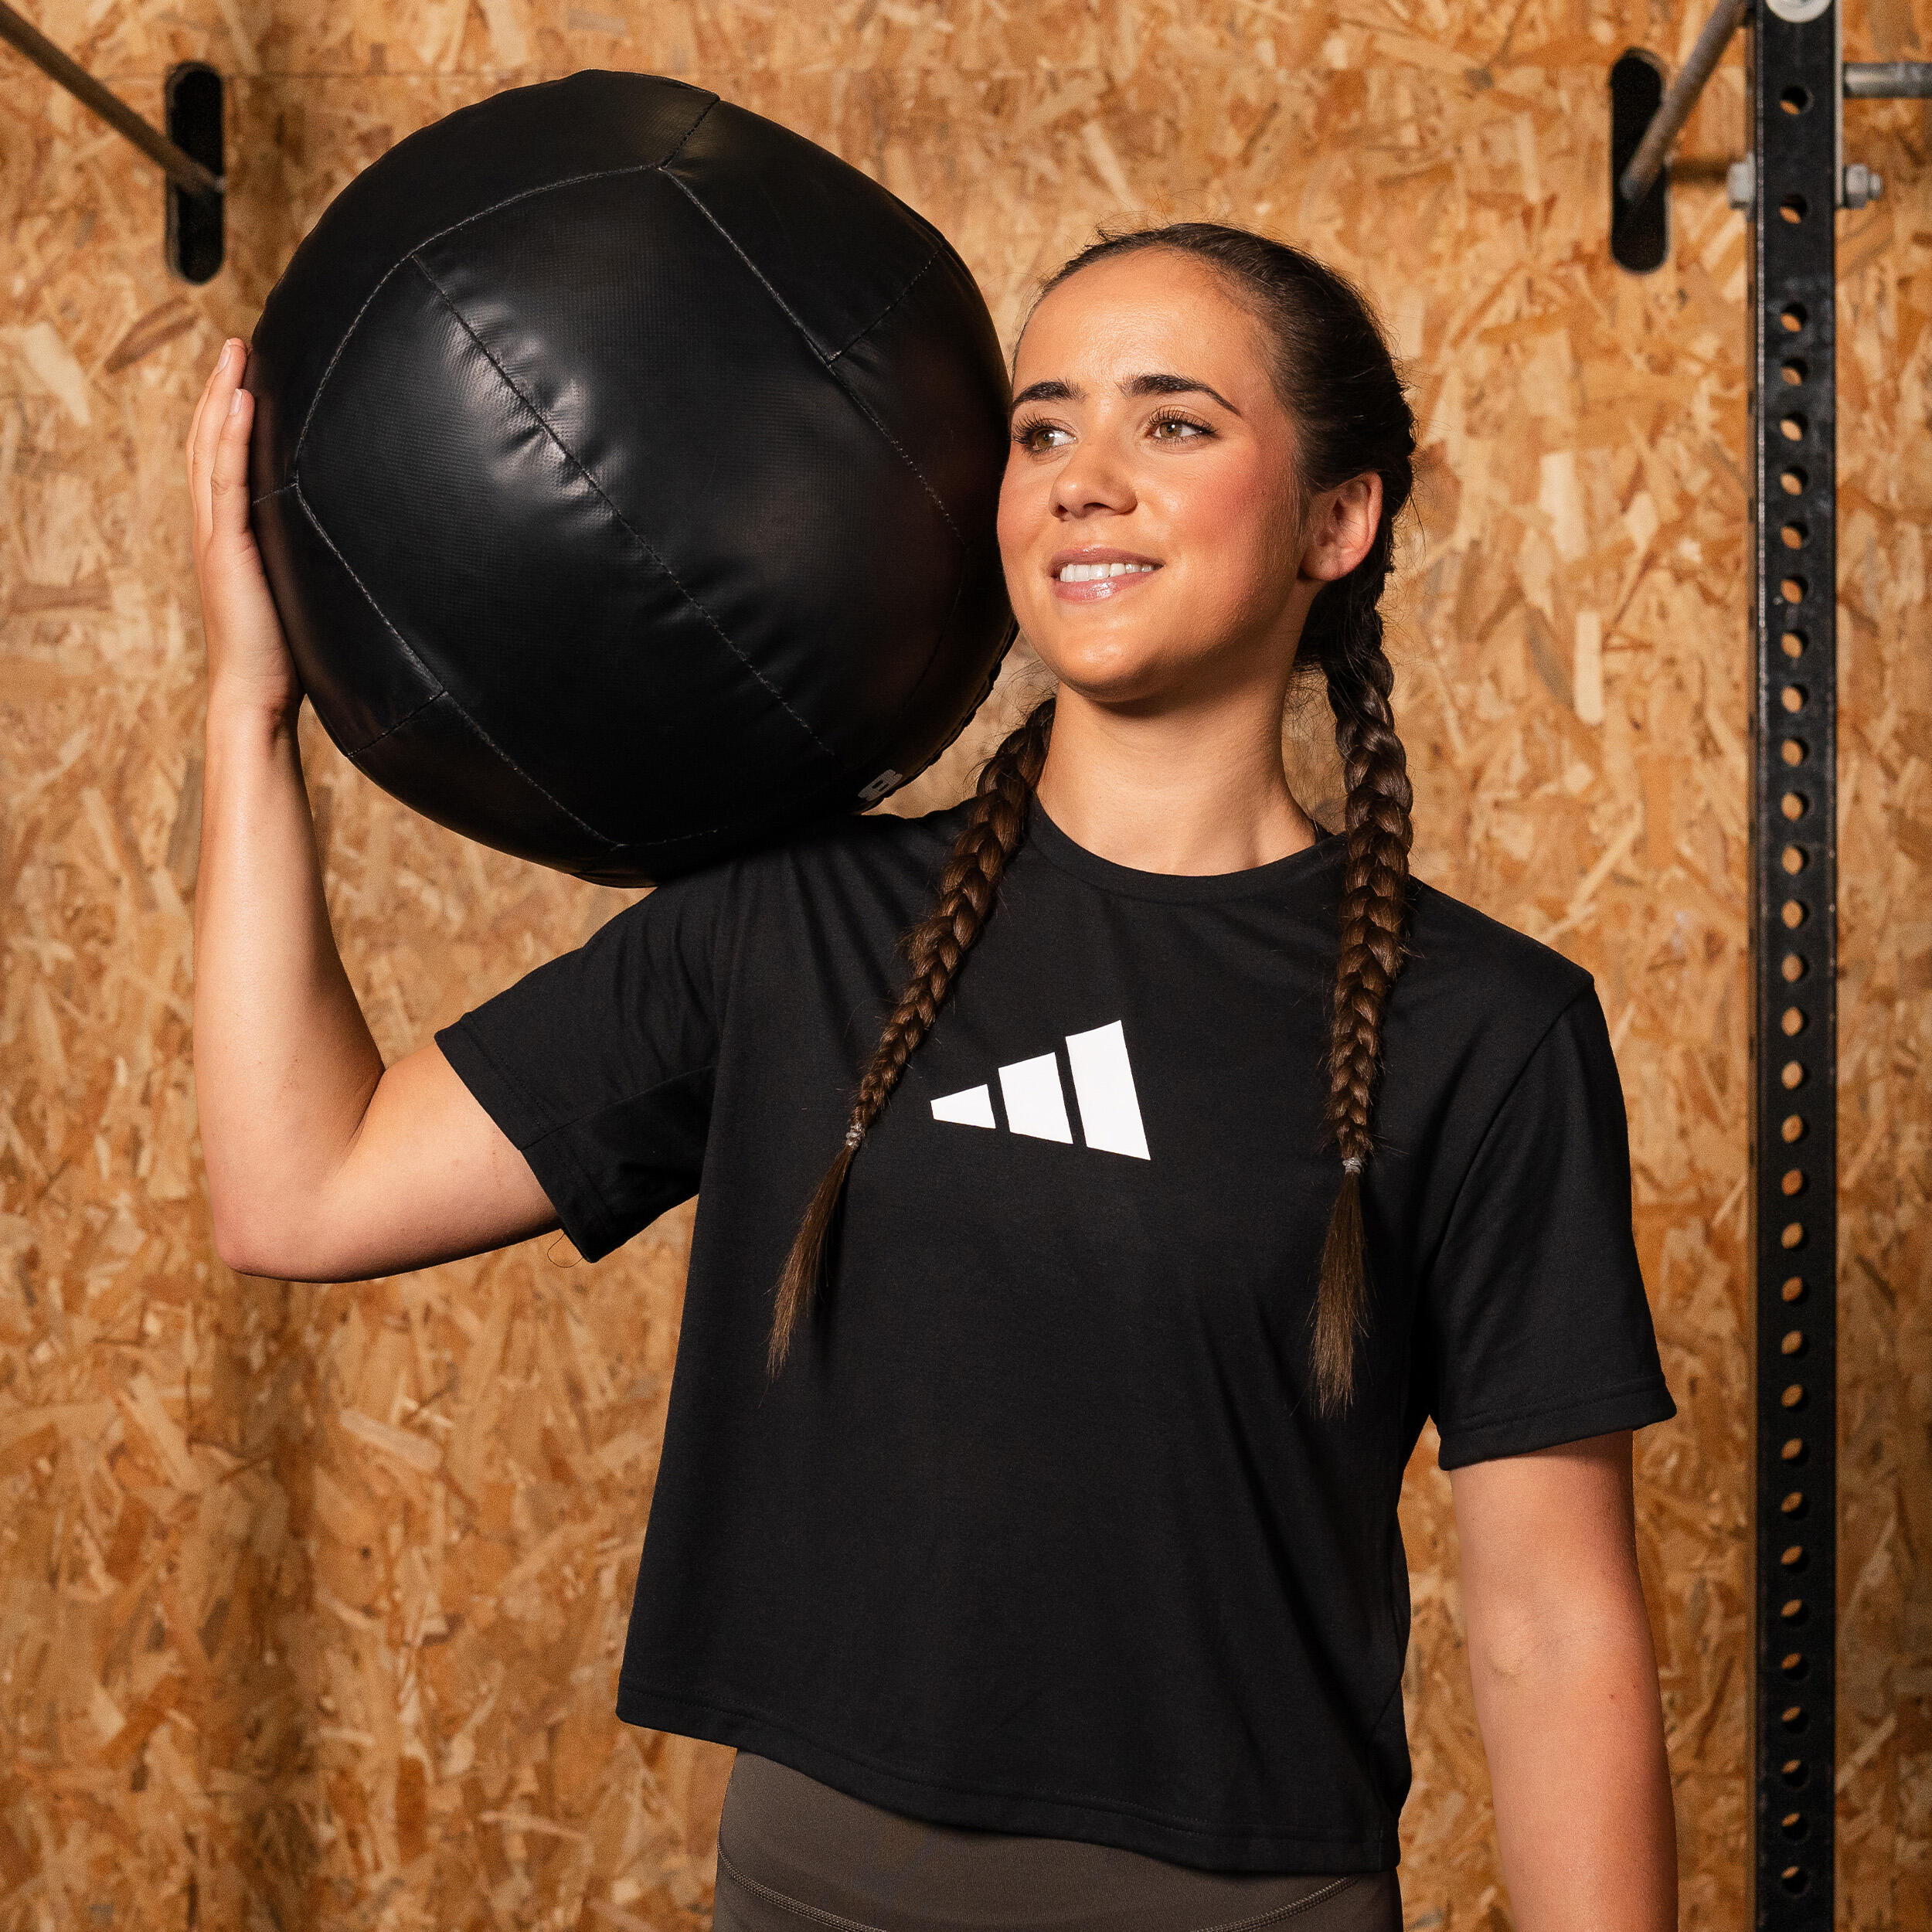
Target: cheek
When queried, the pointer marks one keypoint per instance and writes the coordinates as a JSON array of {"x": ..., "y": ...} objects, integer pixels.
[
  {"x": 1023, "y": 500},
  {"x": 1230, "y": 511},
  {"x": 1019, "y": 508}
]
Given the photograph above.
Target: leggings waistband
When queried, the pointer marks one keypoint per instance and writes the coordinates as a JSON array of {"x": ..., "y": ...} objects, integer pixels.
[{"x": 793, "y": 1853}]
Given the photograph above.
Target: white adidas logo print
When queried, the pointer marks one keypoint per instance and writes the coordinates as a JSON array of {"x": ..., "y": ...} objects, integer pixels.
[{"x": 1036, "y": 1102}]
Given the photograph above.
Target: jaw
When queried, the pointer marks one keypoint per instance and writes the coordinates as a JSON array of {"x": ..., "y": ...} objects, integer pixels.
[{"x": 1161, "y": 648}]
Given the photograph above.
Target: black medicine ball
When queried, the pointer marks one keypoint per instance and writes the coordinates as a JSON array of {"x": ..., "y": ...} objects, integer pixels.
[{"x": 624, "y": 469}]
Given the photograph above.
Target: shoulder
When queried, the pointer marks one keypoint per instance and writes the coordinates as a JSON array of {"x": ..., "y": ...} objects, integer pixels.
[
  {"x": 838, "y": 892},
  {"x": 863, "y": 852},
  {"x": 1470, "y": 984},
  {"x": 871, "y": 842},
  {"x": 876, "y": 843},
  {"x": 1453, "y": 945},
  {"x": 872, "y": 874},
  {"x": 1481, "y": 1013}
]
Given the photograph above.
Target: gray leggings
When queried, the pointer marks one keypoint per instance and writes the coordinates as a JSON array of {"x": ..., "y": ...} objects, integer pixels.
[{"x": 793, "y": 1853}]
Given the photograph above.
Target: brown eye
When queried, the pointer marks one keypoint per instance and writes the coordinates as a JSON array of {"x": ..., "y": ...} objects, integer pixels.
[{"x": 1036, "y": 438}]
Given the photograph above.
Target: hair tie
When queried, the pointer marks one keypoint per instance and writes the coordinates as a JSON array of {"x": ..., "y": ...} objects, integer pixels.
[
  {"x": 854, "y": 1134},
  {"x": 1352, "y": 1165}
]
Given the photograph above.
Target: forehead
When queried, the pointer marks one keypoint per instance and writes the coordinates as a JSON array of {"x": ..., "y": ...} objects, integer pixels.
[{"x": 1154, "y": 309}]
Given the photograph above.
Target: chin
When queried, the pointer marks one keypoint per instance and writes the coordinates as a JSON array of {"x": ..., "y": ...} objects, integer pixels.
[{"x": 1126, "y": 671}]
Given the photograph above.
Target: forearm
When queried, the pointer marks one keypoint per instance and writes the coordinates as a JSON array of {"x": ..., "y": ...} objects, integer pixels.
[
  {"x": 1573, "y": 1729},
  {"x": 1566, "y": 1683},
  {"x": 1582, "y": 1789},
  {"x": 284, "y": 1063}
]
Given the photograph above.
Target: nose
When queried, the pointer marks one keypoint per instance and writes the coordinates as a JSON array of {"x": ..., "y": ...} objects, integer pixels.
[{"x": 1093, "y": 480}]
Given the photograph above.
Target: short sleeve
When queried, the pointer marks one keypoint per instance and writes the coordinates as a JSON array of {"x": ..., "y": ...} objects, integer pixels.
[
  {"x": 1534, "y": 1304},
  {"x": 599, "y": 1066}
]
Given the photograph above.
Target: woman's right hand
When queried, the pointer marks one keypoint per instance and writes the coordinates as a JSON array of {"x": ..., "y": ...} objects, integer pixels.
[{"x": 248, "y": 661}]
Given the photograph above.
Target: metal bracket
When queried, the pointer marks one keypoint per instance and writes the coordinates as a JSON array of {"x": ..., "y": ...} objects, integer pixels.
[
  {"x": 196, "y": 224},
  {"x": 1639, "y": 229},
  {"x": 1638, "y": 165}
]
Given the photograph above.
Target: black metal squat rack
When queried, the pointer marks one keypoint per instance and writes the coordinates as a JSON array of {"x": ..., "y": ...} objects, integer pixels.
[
  {"x": 1795, "y": 108},
  {"x": 1790, "y": 184}
]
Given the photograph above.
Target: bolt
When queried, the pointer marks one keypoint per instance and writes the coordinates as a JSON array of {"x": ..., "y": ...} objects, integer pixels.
[{"x": 1861, "y": 184}]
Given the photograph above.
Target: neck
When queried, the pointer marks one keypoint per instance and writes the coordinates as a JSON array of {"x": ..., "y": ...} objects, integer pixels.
[{"x": 1196, "y": 789}]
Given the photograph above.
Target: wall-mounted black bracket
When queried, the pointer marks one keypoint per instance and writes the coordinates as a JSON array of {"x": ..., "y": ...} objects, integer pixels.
[
  {"x": 1639, "y": 229},
  {"x": 1796, "y": 185},
  {"x": 189, "y": 154},
  {"x": 196, "y": 223}
]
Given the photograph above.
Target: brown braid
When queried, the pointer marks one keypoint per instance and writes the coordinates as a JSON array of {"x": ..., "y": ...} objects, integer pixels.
[
  {"x": 936, "y": 945},
  {"x": 1374, "y": 893}
]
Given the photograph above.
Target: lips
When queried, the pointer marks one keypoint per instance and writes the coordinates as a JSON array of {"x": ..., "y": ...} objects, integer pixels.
[
  {"x": 1094, "y": 564},
  {"x": 1085, "y": 582},
  {"x": 1096, "y": 575}
]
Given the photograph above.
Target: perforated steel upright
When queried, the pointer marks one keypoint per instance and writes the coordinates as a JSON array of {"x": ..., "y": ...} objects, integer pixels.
[{"x": 1795, "y": 108}]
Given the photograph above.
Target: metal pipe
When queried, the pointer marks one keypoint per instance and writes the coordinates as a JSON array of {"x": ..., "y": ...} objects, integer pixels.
[
  {"x": 180, "y": 168},
  {"x": 1888, "y": 79},
  {"x": 1674, "y": 110}
]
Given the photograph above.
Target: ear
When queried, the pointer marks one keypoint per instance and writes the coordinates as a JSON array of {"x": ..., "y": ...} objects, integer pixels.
[{"x": 1342, "y": 525}]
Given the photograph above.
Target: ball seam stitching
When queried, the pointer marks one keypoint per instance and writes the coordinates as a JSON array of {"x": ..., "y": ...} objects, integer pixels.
[
  {"x": 859, "y": 334},
  {"x": 825, "y": 361},
  {"x": 442, "y": 689},
  {"x": 408, "y": 650},
  {"x": 576, "y": 463},
  {"x": 858, "y": 403},
  {"x": 603, "y": 838},
  {"x": 481, "y": 214}
]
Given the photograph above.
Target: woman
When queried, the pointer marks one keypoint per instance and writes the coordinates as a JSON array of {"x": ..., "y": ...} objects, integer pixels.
[{"x": 1037, "y": 1546}]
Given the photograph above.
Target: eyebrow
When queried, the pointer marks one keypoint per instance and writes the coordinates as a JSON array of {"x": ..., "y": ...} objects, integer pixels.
[{"x": 1159, "y": 383}]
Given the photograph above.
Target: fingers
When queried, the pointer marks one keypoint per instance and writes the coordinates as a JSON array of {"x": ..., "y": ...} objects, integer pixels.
[
  {"x": 228, "y": 480},
  {"x": 201, "y": 403},
  {"x": 204, "y": 436},
  {"x": 215, "y": 375}
]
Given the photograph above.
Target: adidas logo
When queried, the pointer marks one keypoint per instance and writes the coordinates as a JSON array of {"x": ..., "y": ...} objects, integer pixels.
[{"x": 1036, "y": 1101}]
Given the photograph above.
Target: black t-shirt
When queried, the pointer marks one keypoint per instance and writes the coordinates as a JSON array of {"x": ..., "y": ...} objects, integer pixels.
[{"x": 1038, "y": 1531}]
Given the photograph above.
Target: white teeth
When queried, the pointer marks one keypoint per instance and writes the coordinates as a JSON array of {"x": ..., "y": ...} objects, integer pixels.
[{"x": 1089, "y": 572}]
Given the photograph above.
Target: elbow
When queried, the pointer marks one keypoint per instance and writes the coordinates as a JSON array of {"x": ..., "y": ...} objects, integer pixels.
[
  {"x": 255, "y": 1238},
  {"x": 1521, "y": 1646},
  {"x": 244, "y": 1244},
  {"x": 1507, "y": 1646}
]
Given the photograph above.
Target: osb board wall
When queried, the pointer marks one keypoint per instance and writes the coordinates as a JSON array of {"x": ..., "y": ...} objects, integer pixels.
[{"x": 310, "y": 1598}]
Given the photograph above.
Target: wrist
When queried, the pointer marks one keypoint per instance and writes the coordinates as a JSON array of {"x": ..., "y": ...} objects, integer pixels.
[{"x": 239, "y": 710}]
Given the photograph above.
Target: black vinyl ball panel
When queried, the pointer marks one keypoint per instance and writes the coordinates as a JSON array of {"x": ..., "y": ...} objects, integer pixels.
[
  {"x": 516, "y": 142},
  {"x": 644, "y": 511},
  {"x": 945, "y": 409},
  {"x": 508, "y": 574},
  {"x": 759, "y": 485},
  {"x": 360, "y": 676},
  {"x": 439, "y": 761},
  {"x": 834, "y": 249},
  {"x": 460, "y": 779}
]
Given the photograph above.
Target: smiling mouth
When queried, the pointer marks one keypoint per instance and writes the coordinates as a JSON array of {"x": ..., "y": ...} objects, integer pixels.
[{"x": 1095, "y": 572}]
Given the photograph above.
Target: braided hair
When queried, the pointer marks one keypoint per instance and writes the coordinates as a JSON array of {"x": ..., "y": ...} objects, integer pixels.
[
  {"x": 1333, "y": 372},
  {"x": 936, "y": 946}
]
